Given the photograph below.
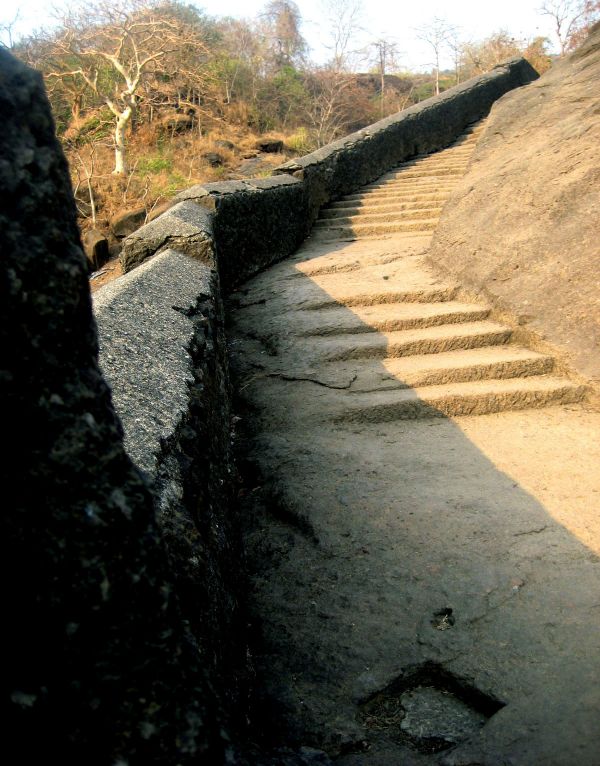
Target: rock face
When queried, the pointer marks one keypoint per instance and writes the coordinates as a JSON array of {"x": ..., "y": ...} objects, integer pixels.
[
  {"x": 125, "y": 222},
  {"x": 98, "y": 668},
  {"x": 522, "y": 227},
  {"x": 183, "y": 226},
  {"x": 95, "y": 246},
  {"x": 269, "y": 145},
  {"x": 177, "y": 123},
  {"x": 214, "y": 159}
]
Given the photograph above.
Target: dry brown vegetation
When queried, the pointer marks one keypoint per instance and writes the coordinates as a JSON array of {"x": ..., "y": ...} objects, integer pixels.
[{"x": 152, "y": 96}]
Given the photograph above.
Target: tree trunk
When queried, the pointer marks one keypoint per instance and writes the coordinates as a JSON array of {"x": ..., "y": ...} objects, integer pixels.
[{"x": 120, "y": 149}]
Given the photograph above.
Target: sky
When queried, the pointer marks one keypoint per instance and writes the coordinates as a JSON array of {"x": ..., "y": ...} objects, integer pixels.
[{"x": 394, "y": 21}]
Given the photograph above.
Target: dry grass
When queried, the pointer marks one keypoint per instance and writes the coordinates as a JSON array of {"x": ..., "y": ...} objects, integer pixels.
[{"x": 162, "y": 163}]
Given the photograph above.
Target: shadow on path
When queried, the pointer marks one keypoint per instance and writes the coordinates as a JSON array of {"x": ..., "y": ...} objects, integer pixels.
[{"x": 363, "y": 534}]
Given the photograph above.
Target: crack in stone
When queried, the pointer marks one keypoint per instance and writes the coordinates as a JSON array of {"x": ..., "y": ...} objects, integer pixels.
[
  {"x": 531, "y": 531},
  {"x": 293, "y": 379}
]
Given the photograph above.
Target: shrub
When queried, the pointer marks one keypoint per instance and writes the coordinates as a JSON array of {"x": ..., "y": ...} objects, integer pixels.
[{"x": 154, "y": 165}]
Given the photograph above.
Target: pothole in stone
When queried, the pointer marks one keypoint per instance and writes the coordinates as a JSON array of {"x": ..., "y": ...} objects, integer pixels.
[
  {"x": 443, "y": 619},
  {"x": 429, "y": 709}
]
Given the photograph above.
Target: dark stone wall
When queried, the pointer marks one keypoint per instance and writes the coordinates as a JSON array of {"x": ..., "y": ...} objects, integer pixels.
[
  {"x": 163, "y": 352},
  {"x": 98, "y": 666},
  {"x": 255, "y": 223}
]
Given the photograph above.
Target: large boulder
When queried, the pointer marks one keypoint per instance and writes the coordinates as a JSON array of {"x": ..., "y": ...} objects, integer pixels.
[
  {"x": 98, "y": 667},
  {"x": 269, "y": 145},
  {"x": 214, "y": 159},
  {"x": 522, "y": 227},
  {"x": 95, "y": 246},
  {"x": 125, "y": 222},
  {"x": 177, "y": 123}
]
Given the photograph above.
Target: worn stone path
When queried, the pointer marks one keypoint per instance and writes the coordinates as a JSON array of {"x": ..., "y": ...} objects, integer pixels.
[{"x": 423, "y": 498}]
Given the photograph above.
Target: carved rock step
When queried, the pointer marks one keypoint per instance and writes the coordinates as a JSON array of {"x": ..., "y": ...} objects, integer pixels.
[
  {"x": 363, "y": 217},
  {"x": 472, "y": 398},
  {"x": 363, "y": 297},
  {"x": 406, "y": 190},
  {"x": 460, "y": 366},
  {"x": 430, "y": 160},
  {"x": 390, "y": 207},
  {"x": 428, "y": 340},
  {"x": 443, "y": 168},
  {"x": 432, "y": 171},
  {"x": 430, "y": 163},
  {"x": 385, "y": 317},
  {"x": 392, "y": 199},
  {"x": 409, "y": 186},
  {"x": 376, "y": 229},
  {"x": 455, "y": 150},
  {"x": 414, "y": 180}
]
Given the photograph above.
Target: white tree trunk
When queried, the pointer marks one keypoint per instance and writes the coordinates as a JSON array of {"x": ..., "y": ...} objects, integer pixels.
[{"x": 120, "y": 148}]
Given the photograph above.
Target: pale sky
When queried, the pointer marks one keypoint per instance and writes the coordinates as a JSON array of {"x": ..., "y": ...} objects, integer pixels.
[{"x": 395, "y": 21}]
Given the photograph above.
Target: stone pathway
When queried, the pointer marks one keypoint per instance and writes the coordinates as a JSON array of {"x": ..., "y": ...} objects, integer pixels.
[
  {"x": 426, "y": 581},
  {"x": 408, "y": 199}
]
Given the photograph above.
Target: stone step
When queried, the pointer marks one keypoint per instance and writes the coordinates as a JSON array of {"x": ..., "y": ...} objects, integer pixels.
[
  {"x": 419, "y": 172},
  {"x": 427, "y": 163},
  {"x": 362, "y": 298},
  {"x": 325, "y": 238},
  {"x": 413, "y": 184},
  {"x": 400, "y": 199},
  {"x": 445, "y": 168},
  {"x": 459, "y": 155},
  {"x": 428, "y": 340},
  {"x": 462, "y": 366},
  {"x": 472, "y": 398},
  {"x": 347, "y": 209},
  {"x": 459, "y": 366},
  {"x": 339, "y": 320},
  {"x": 403, "y": 191},
  {"x": 444, "y": 158},
  {"x": 389, "y": 197},
  {"x": 357, "y": 231},
  {"x": 364, "y": 217}
]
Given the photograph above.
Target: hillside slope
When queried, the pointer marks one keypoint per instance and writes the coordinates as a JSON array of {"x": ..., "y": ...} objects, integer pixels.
[{"x": 523, "y": 227}]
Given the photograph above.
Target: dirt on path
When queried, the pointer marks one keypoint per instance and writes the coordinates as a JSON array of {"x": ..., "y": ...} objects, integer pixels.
[{"x": 422, "y": 497}]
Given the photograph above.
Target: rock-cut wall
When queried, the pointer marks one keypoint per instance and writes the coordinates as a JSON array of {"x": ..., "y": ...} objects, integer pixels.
[
  {"x": 124, "y": 576},
  {"x": 100, "y": 665},
  {"x": 523, "y": 227}
]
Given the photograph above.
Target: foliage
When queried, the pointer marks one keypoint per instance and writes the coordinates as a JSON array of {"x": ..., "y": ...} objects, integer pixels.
[
  {"x": 572, "y": 19},
  {"x": 153, "y": 80},
  {"x": 154, "y": 164}
]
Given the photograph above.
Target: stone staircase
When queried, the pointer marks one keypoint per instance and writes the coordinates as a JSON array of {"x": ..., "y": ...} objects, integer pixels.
[
  {"x": 406, "y": 200},
  {"x": 393, "y": 536},
  {"x": 369, "y": 320}
]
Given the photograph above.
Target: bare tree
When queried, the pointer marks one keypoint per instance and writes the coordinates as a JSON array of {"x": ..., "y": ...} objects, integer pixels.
[
  {"x": 283, "y": 23},
  {"x": 88, "y": 173},
  {"x": 436, "y": 33},
  {"x": 343, "y": 23},
  {"x": 479, "y": 57},
  {"x": 7, "y": 29},
  {"x": 336, "y": 103},
  {"x": 455, "y": 47},
  {"x": 111, "y": 57},
  {"x": 568, "y": 18},
  {"x": 385, "y": 56}
]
